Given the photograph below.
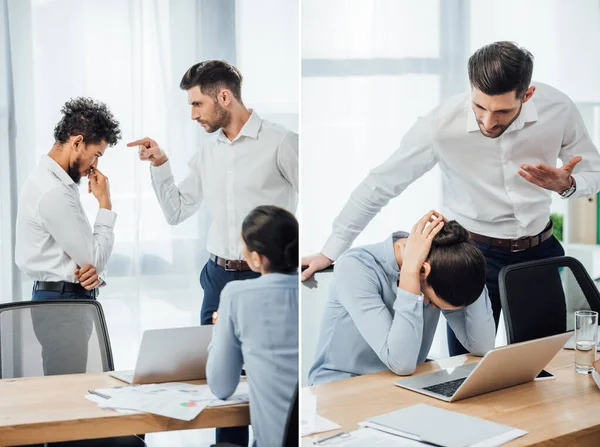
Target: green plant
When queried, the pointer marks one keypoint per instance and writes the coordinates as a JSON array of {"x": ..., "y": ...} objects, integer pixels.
[{"x": 557, "y": 222}]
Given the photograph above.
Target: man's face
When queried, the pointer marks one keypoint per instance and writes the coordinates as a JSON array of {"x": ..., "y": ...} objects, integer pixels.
[
  {"x": 496, "y": 113},
  {"x": 84, "y": 157},
  {"x": 207, "y": 111}
]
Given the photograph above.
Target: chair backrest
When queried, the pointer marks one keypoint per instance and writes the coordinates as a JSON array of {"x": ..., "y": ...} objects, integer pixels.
[
  {"x": 50, "y": 337},
  {"x": 315, "y": 292},
  {"x": 291, "y": 428},
  {"x": 540, "y": 297}
]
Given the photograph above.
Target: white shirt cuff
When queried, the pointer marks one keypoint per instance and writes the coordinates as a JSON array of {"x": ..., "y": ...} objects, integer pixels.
[
  {"x": 404, "y": 296},
  {"x": 161, "y": 173},
  {"x": 106, "y": 218},
  {"x": 580, "y": 188},
  {"x": 334, "y": 247}
]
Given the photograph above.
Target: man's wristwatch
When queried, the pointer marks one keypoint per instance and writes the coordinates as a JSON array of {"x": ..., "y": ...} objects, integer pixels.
[{"x": 570, "y": 190}]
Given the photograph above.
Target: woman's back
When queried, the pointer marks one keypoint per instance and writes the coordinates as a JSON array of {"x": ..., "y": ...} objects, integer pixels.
[{"x": 263, "y": 314}]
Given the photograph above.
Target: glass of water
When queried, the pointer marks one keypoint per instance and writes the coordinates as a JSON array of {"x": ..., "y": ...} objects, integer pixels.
[{"x": 586, "y": 329}]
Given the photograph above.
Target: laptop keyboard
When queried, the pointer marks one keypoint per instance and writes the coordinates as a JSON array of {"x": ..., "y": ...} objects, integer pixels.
[{"x": 446, "y": 388}]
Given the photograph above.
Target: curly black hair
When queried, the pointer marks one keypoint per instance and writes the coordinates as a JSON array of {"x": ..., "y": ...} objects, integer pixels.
[{"x": 89, "y": 118}]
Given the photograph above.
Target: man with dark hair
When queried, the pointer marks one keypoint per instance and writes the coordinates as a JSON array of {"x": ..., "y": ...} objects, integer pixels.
[
  {"x": 497, "y": 147},
  {"x": 245, "y": 162},
  {"x": 55, "y": 244}
]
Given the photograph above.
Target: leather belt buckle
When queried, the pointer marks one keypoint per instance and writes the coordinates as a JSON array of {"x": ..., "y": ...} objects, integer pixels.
[
  {"x": 516, "y": 246},
  {"x": 232, "y": 265}
]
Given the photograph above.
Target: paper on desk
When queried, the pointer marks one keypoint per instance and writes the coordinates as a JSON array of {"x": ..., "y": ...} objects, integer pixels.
[
  {"x": 175, "y": 400},
  {"x": 99, "y": 400},
  {"x": 370, "y": 437},
  {"x": 494, "y": 441},
  {"x": 413, "y": 422},
  {"x": 321, "y": 425},
  {"x": 183, "y": 408}
]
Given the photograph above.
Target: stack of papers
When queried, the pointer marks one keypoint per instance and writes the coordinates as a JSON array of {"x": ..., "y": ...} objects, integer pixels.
[
  {"x": 420, "y": 425},
  {"x": 174, "y": 400},
  {"x": 415, "y": 422}
]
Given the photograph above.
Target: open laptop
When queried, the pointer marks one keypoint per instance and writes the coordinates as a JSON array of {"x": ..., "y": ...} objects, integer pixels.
[
  {"x": 500, "y": 368},
  {"x": 170, "y": 355}
]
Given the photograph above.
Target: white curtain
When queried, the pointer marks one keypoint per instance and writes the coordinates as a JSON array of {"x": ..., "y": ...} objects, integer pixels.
[
  {"x": 131, "y": 55},
  {"x": 371, "y": 67}
]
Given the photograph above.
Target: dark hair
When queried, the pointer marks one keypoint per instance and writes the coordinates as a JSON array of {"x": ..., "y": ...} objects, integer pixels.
[
  {"x": 89, "y": 118},
  {"x": 273, "y": 232},
  {"x": 211, "y": 76},
  {"x": 501, "y": 67},
  {"x": 457, "y": 266}
]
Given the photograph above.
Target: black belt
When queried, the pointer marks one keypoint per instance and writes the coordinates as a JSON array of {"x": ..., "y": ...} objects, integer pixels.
[
  {"x": 64, "y": 287},
  {"x": 515, "y": 245}
]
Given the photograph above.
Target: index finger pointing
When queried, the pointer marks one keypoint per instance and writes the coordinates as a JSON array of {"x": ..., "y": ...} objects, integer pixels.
[{"x": 143, "y": 141}]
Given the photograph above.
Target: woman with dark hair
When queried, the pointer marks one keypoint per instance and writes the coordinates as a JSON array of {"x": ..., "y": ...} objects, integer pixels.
[
  {"x": 258, "y": 324},
  {"x": 386, "y": 299}
]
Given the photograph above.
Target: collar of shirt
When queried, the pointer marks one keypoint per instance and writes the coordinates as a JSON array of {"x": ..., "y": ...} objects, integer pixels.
[
  {"x": 57, "y": 169},
  {"x": 250, "y": 129},
  {"x": 389, "y": 256},
  {"x": 529, "y": 114}
]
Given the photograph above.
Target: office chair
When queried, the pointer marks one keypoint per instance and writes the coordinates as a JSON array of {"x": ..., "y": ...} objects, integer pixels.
[
  {"x": 52, "y": 337},
  {"x": 291, "y": 437},
  {"x": 534, "y": 301}
]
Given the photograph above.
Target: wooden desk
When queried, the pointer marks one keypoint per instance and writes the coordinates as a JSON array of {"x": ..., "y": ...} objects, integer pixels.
[
  {"x": 560, "y": 412},
  {"x": 46, "y": 409}
]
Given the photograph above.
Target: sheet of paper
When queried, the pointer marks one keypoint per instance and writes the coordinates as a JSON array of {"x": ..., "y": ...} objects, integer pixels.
[
  {"x": 368, "y": 436},
  {"x": 175, "y": 400},
  {"x": 501, "y": 439},
  {"x": 321, "y": 425},
  {"x": 100, "y": 400},
  {"x": 184, "y": 409}
]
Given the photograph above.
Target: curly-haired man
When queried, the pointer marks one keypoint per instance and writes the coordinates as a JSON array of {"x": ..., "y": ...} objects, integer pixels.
[{"x": 55, "y": 244}]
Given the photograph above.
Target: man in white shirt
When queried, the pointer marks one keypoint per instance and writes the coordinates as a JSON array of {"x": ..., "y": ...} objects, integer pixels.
[
  {"x": 497, "y": 148},
  {"x": 245, "y": 162},
  {"x": 55, "y": 245}
]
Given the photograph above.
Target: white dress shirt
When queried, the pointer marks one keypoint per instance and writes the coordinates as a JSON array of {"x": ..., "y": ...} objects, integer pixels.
[
  {"x": 259, "y": 167},
  {"x": 53, "y": 235},
  {"x": 480, "y": 184}
]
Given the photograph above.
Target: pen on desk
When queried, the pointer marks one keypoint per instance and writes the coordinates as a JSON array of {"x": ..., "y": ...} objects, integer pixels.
[
  {"x": 342, "y": 433},
  {"x": 98, "y": 394}
]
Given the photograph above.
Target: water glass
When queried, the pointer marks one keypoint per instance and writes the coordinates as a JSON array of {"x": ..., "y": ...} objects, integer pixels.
[{"x": 586, "y": 331}]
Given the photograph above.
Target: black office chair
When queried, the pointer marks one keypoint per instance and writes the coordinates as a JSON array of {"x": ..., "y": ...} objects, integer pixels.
[
  {"x": 291, "y": 428},
  {"x": 52, "y": 337},
  {"x": 533, "y": 298}
]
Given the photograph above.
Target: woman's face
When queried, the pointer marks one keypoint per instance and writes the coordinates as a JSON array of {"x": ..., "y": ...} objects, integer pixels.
[{"x": 432, "y": 298}]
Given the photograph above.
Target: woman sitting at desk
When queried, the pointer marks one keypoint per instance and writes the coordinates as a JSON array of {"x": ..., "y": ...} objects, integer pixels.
[
  {"x": 258, "y": 325},
  {"x": 385, "y": 302}
]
